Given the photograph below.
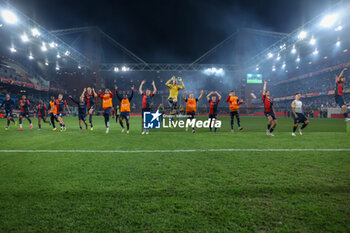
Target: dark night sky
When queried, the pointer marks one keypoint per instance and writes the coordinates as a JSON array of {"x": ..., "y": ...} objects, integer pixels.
[{"x": 172, "y": 30}]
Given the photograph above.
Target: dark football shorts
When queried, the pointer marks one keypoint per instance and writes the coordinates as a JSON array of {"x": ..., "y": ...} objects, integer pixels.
[
  {"x": 272, "y": 114},
  {"x": 301, "y": 118},
  {"x": 124, "y": 115},
  {"x": 339, "y": 99}
]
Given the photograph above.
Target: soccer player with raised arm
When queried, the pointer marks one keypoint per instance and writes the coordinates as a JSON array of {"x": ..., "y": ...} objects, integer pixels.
[
  {"x": 173, "y": 92},
  {"x": 298, "y": 114},
  {"x": 191, "y": 106},
  {"x": 269, "y": 111},
  {"x": 213, "y": 108},
  {"x": 107, "y": 106},
  {"x": 25, "y": 105},
  {"x": 9, "y": 106},
  {"x": 41, "y": 112},
  {"x": 124, "y": 108},
  {"x": 81, "y": 111},
  {"x": 90, "y": 95},
  {"x": 146, "y": 101},
  {"x": 339, "y": 98},
  {"x": 60, "y": 104},
  {"x": 234, "y": 103}
]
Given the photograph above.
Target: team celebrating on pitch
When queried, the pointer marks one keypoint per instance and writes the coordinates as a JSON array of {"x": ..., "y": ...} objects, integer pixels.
[{"x": 86, "y": 106}]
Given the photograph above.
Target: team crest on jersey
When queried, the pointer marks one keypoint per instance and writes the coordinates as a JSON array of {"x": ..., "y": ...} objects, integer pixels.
[{"x": 152, "y": 120}]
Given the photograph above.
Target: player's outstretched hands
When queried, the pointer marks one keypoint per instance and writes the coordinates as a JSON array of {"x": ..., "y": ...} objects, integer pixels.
[
  {"x": 180, "y": 79},
  {"x": 70, "y": 96},
  {"x": 143, "y": 82},
  {"x": 265, "y": 81},
  {"x": 85, "y": 89},
  {"x": 185, "y": 92},
  {"x": 153, "y": 83},
  {"x": 202, "y": 91},
  {"x": 115, "y": 87}
]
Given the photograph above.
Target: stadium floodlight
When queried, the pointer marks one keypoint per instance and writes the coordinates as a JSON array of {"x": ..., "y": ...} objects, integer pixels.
[
  {"x": 57, "y": 67},
  {"x": 325, "y": 57},
  {"x": 345, "y": 50},
  {"x": 315, "y": 52},
  {"x": 339, "y": 28},
  {"x": 46, "y": 63},
  {"x": 43, "y": 47},
  {"x": 31, "y": 57},
  {"x": 53, "y": 44},
  {"x": 9, "y": 17},
  {"x": 124, "y": 68},
  {"x": 278, "y": 57},
  {"x": 270, "y": 55},
  {"x": 219, "y": 71},
  {"x": 312, "y": 41},
  {"x": 284, "y": 65},
  {"x": 338, "y": 43},
  {"x": 58, "y": 55},
  {"x": 297, "y": 67},
  {"x": 24, "y": 37},
  {"x": 0, "y": 25},
  {"x": 273, "y": 68},
  {"x": 298, "y": 59},
  {"x": 35, "y": 32},
  {"x": 302, "y": 35},
  {"x": 329, "y": 20},
  {"x": 293, "y": 49},
  {"x": 257, "y": 68},
  {"x": 79, "y": 67},
  {"x": 283, "y": 47},
  {"x": 116, "y": 69},
  {"x": 13, "y": 49},
  {"x": 310, "y": 62},
  {"x": 67, "y": 53}
]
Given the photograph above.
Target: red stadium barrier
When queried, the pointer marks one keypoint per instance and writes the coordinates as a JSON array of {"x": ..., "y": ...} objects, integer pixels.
[
  {"x": 337, "y": 116},
  {"x": 259, "y": 114}
]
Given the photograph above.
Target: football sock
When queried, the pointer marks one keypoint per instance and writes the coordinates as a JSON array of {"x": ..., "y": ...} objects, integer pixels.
[
  {"x": 303, "y": 126},
  {"x": 295, "y": 128}
]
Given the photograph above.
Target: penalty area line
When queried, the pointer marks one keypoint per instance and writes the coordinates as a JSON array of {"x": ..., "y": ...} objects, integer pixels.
[{"x": 177, "y": 151}]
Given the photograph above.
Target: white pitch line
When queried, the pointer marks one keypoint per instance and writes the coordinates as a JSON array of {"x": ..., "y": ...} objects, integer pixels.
[{"x": 174, "y": 151}]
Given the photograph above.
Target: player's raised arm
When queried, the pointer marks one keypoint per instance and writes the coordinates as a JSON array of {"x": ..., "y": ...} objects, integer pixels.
[
  {"x": 154, "y": 87},
  {"x": 218, "y": 95},
  {"x": 168, "y": 82},
  {"x": 264, "y": 89},
  {"x": 132, "y": 92},
  {"x": 71, "y": 98},
  {"x": 341, "y": 74},
  {"x": 208, "y": 96},
  {"x": 182, "y": 86},
  {"x": 200, "y": 96},
  {"x": 293, "y": 109},
  {"x": 140, "y": 88},
  {"x": 185, "y": 93},
  {"x": 117, "y": 93},
  {"x": 83, "y": 94},
  {"x": 93, "y": 91}
]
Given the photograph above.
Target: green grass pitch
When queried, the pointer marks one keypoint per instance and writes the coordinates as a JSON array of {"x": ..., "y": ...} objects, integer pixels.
[{"x": 198, "y": 191}]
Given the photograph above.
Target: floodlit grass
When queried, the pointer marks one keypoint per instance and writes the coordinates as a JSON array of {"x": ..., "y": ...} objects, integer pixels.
[{"x": 161, "y": 192}]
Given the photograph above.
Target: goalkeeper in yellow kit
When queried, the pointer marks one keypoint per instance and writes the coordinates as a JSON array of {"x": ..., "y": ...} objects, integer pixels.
[{"x": 173, "y": 92}]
